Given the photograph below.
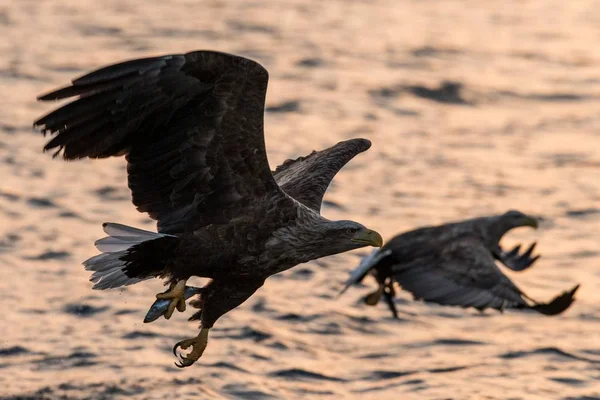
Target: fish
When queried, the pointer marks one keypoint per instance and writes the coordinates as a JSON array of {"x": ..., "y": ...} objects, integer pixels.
[{"x": 159, "y": 307}]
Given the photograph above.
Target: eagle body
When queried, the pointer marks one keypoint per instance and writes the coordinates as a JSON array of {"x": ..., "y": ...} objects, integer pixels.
[
  {"x": 191, "y": 129},
  {"x": 257, "y": 247},
  {"x": 455, "y": 264}
]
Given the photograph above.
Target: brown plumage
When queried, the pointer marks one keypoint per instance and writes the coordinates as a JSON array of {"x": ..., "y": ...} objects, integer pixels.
[
  {"x": 191, "y": 129},
  {"x": 454, "y": 264}
]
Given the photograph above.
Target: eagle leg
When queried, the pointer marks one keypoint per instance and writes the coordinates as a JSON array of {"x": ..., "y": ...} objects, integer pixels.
[
  {"x": 389, "y": 295},
  {"x": 198, "y": 345},
  {"x": 199, "y": 304},
  {"x": 217, "y": 299},
  {"x": 176, "y": 295}
]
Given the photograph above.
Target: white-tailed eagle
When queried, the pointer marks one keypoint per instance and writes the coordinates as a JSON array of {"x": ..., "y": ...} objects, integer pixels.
[
  {"x": 191, "y": 129},
  {"x": 455, "y": 264}
]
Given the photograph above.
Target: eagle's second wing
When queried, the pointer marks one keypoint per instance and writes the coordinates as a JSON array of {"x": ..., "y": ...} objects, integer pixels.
[
  {"x": 190, "y": 125},
  {"x": 307, "y": 178},
  {"x": 459, "y": 272}
]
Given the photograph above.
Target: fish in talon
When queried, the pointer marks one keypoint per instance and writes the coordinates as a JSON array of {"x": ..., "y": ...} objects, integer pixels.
[{"x": 159, "y": 307}]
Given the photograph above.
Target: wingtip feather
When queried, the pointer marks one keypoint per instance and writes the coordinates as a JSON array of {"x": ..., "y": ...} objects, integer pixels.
[{"x": 559, "y": 304}]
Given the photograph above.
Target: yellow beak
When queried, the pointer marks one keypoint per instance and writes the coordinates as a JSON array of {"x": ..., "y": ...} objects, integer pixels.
[{"x": 368, "y": 238}]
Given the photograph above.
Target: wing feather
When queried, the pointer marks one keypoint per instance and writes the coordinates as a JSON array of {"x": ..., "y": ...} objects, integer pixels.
[
  {"x": 307, "y": 178},
  {"x": 459, "y": 272},
  {"x": 190, "y": 125}
]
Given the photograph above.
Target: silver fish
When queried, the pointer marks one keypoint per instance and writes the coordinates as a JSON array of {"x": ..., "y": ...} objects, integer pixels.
[{"x": 159, "y": 307}]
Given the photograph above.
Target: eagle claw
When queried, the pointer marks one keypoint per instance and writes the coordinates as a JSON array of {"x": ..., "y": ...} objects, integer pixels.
[
  {"x": 184, "y": 363},
  {"x": 198, "y": 345},
  {"x": 517, "y": 261}
]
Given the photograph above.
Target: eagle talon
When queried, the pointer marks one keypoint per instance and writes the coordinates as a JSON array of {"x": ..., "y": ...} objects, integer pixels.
[
  {"x": 198, "y": 345},
  {"x": 176, "y": 295},
  {"x": 183, "y": 363}
]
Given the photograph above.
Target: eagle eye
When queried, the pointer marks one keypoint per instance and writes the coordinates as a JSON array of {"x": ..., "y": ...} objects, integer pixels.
[{"x": 351, "y": 231}]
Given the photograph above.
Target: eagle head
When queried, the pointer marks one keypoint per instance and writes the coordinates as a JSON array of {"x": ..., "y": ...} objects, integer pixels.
[{"x": 349, "y": 235}]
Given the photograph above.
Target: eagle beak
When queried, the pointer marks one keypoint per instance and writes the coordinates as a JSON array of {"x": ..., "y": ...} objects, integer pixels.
[
  {"x": 368, "y": 237},
  {"x": 530, "y": 221}
]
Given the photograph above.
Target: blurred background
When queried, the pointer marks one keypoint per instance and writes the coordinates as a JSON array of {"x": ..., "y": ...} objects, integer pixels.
[{"x": 473, "y": 108}]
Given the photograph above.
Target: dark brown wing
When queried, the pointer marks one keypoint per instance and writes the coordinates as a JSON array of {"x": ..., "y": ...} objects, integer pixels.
[
  {"x": 459, "y": 272},
  {"x": 307, "y": 178},
  {"x": 191, "y": 127}
]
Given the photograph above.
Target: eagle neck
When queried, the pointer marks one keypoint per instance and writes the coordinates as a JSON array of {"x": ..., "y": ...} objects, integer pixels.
[
  {"x": 302, "y": 241},
  {"x": 495, "y": 228}
]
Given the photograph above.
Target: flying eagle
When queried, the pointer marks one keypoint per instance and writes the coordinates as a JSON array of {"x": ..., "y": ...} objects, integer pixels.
[
  {"x": 454, "y": 264},
  {"x": 191, "y": 129}
]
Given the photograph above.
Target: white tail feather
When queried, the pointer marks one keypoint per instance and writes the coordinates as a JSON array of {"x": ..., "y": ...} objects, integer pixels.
[
  {"x": 113, "y": 244},
  {"x": 114, "y": 229},
  {"x": 108, "y": 266}
]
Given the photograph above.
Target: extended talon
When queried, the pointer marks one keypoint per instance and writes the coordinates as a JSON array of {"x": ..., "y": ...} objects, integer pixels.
[
  {"x": 176, "y": 295},
  {"x": 184, "y": 362},
  {"x": 198, "y": 345},
  {"x": 516, "y": 261}
]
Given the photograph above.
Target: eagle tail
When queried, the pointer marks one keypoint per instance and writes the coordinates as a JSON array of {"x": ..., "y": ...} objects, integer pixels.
[{"x": 129, "y": 255}]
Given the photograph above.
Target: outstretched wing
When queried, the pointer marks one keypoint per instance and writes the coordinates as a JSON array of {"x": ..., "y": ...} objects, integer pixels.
[
  {"x": 459, "y": 272},
  {"x": 307, "y": 178},
  {"x": 190, "y": 125}
]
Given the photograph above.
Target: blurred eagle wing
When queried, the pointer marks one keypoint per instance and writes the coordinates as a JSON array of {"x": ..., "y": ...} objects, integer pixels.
[{"x": 459, "y": 272}]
